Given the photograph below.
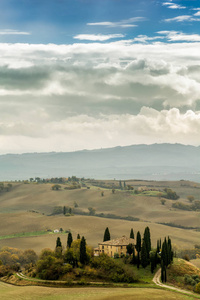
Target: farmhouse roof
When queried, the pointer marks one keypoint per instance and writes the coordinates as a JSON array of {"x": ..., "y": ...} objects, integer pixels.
[{"x": 123, "y": 241}]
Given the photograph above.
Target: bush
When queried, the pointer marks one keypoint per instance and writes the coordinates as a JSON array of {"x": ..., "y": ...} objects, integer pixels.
[
  {"x": 112, "y": 270},
  {"x": 197, "y": 288}
]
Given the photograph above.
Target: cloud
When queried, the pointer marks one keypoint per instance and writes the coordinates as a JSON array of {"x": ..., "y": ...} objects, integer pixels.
[
  {"x": 123, "y": 23},
  {"x": 145, "y": 38},
  {"x": 67, "y": 97},
  {"x": 183, "y": 18},
  {"x": 13, "y": 32},
  {"x": 173, "y": 5},
  {"x": 175, "y": 36},
  {"x": 74, "y": 133},
  {"x": 197, "y": 14},
  {"x": 98, "y": 37}
]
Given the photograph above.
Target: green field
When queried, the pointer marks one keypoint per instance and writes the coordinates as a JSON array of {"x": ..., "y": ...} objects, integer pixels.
[{"x": 44, "y": 293}]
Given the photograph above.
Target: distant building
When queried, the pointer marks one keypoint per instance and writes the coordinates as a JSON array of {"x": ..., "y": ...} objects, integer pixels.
[
  {"x": 114, "y": 246},
  {"x": 56, "y": 231}
]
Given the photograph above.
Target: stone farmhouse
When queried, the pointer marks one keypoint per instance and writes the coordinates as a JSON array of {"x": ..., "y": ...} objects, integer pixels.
[{"x": 114, "y": 246}]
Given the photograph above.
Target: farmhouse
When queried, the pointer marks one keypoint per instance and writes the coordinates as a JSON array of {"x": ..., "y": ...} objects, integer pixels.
[{"x": 114, "y": 246}]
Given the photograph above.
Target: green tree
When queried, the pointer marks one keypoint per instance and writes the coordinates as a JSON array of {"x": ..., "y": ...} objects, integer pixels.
[
  {"x": 83, "y": 254},
  {"x": 138, "y": 248},
  {"x": 130, "y": 248},
  {"x": 69, "y": 240},
  {"x": 132, "y": 234},
  {"x": 58, "y": 242},
  {"x": 106, "y": 235},
  {"x": 144, "y": 254},
  {"x": 147, "y": 238},
  {"x": 120, "y": 184},
  {"x": 56, "y": 187},
  {"x": 78, "y": 236},
  {"x": 64, "y": 210},
  {"x": 91, "y": 211},
  {"x": 190, "y": 198}
]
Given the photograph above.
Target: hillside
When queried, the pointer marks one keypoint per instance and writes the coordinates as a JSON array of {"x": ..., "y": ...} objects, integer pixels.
[
  {"x": 153, "y": 162},
  {"x": 27, "y": 208}
]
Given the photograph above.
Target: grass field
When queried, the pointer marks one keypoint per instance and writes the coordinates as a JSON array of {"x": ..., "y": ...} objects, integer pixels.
[
  {"x": 92, "y": 228},
  {"x": 23, "y": 234},
  {"x": 44, "y": 293},
  {"x": 17, "y": 222}
]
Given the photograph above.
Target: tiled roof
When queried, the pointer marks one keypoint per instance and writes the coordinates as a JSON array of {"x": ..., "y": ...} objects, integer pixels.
[{"x": 123, "y": 241}]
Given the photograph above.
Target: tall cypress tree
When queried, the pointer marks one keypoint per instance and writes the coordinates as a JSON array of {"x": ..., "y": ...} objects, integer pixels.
[
  {"x": 133, "y": 260},
  {"x": 106, "y": 235},
  {"x": 58, "y": 242},
  {"x": 83, "y": 255},
  {"x": 69, "y": 240},
  {"x": 138, "y": 248},
  {"x": 78, "y": 236},
  {"x": 132, "y": 234},
  {"x": 147, "y": 239},
  {"x": 144, "y": 254}
]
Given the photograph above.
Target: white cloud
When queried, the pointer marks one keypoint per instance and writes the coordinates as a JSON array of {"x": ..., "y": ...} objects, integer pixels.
[
  {"x": 173, "y": 5},
  {"x": 67, "y": 97},
  {"x": 13, "y": 32},
  {"x": 183, "y": 18},
  {"x": 77, "y": 132},
  {"x": 123, "y": 23},
  {"x": 175, "y": 36},
  {"x": 197, "y": 14},
  {"x": 145, "y": 38},
  {"x": 98, "y": 37}
]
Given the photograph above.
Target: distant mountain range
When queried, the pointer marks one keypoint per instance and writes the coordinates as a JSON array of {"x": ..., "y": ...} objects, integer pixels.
[{"x": 153, "y": 162}]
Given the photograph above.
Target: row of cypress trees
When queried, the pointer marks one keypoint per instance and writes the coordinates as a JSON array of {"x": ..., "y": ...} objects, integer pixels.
[
  {"x": 162, "y": 255},
  {"x": 83, "y": 255}
]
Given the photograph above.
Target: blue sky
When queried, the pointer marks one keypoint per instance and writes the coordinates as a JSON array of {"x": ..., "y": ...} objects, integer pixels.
[
  {"x": 59, "y": 21},
  {"x": 88, "y": 74}
]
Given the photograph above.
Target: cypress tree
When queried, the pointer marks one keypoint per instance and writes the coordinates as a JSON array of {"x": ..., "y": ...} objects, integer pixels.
[
  {"x": 58, "y": 242},
  {"x": 153, "y": 261},
  {"x": 78, "y": 236},
  {"x": 130, "y": 248},
  {"x": 138, "y": 248},
  {"x": 133, "y": 260},
  {"x": 162, "y": 272},
  {"x": 147, "y": 239},
  {"x": 64, "y": 210},
  {"x": 124, "y": 184},
  {"x": 158, "y": 246},
  {"x": 144, "y": 254},
  {"x": 106, "y": 235},
  {"x": 69, "y": 240},
  {"x": 132, "y": 234},
  {"x": 120, "y": 184},
  {"x": 83, "y": 255}
]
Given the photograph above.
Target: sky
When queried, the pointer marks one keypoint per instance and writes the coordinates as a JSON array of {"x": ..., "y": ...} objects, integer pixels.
[{"x": 89, "y": 74}]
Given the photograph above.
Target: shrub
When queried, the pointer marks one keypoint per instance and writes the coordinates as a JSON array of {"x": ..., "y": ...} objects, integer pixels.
[{"x": 197, "y": 288}]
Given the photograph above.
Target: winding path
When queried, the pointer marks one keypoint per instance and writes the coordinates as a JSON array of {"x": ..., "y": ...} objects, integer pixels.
[{"x": 156, "y": 280}]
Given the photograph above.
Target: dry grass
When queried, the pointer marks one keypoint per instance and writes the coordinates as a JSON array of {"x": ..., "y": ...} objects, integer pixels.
[
  {"x": 90, "y": 227},
  {"x": 196, "y": 262},
  {"x": 44, "y": 293},
  {"x": 40, "y": 197}
]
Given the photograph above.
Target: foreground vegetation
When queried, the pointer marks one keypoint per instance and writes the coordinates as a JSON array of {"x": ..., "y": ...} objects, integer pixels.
[{"x": 44, "y": 293}]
